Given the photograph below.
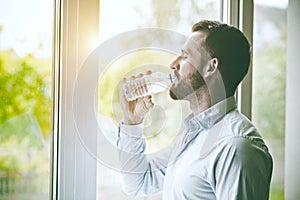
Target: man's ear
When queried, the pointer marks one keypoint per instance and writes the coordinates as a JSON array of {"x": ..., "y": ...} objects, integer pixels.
[{"x": 211, "y": 68}]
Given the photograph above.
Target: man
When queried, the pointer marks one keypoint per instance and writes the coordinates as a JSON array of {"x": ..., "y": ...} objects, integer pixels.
[{"x": 221, "y": 155}]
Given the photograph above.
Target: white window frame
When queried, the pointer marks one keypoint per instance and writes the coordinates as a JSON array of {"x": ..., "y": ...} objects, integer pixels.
[
  {"x": 74, "y": 169},
  {"x": 292, "y": 136}
]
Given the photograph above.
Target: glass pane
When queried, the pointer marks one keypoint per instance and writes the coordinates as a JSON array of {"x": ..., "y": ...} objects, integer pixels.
[
  {"x": 25, "y": 98},
  {"x": 269, "y": 65},
  {"x": 123, "y": 23}
]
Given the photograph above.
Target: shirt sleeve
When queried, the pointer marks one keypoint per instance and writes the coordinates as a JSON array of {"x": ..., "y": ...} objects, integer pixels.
[
  {"x": 243, "y": 170},
  {"x": 142, "y": 174}
]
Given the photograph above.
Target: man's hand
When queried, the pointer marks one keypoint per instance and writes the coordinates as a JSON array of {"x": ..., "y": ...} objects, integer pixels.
[{"x": 135, "y": 111}]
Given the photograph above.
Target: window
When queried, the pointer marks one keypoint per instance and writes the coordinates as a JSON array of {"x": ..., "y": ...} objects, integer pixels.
[
  {"x": 269, "y": 72},
  {"x": 78, "y": 27},
  {"x": 25, "y": 98},
  {"x": 170, "y": 22}
]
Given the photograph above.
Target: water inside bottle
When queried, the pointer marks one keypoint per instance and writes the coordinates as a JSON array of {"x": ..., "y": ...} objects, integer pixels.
[
  {"x": 157, "y": 87},
  {"x": 141, "y": 87}
]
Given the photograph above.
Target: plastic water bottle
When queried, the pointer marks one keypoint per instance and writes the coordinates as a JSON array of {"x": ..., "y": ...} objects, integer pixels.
[{"x": 147, "y": 85}]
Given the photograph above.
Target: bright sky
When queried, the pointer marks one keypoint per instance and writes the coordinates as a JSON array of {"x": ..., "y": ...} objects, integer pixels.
[
  {"x": 274, "y": 3},
  {"x": 28, "y": 23},
  {"x": 110, "y": 16}
]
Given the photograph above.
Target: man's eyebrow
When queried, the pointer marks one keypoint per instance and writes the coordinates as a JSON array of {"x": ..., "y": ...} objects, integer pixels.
[{"x": 183, "y": 51}]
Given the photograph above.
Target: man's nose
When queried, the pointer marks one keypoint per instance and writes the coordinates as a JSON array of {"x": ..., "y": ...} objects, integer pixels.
[{"x": 175, "y": 64}]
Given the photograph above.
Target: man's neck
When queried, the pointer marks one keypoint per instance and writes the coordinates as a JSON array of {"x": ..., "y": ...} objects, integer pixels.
[
  {"x": 199, "y": 101},
  {"x": 202, "y": 100}
]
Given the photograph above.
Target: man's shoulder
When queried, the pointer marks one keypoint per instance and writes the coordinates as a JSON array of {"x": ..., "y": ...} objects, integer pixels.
[
  {"x": 238, "y": 132},
  {"x": 238, "y": 125}
]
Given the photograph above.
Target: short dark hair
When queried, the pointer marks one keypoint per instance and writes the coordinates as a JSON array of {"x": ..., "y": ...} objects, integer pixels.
[{"x": 231, "y": 47}]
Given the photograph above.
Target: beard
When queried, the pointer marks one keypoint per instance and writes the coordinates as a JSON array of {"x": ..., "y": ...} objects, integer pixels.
[{"x": 186, "y": 86}]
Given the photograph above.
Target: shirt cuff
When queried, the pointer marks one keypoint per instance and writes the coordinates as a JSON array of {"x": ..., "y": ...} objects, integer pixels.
[{"x": 132, "y": 130}]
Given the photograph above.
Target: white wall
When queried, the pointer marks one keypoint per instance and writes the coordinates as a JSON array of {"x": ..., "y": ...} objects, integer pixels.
[{"x": 292, "y": 153}]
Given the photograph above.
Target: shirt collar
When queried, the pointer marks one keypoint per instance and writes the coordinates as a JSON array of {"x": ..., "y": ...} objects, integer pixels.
[{"x": 211, "y": 116}]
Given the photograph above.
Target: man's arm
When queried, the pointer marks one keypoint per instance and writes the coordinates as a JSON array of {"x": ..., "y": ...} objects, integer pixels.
[
  {"x": 243, "y": 170},
  {"x": 142, "y": 175}
]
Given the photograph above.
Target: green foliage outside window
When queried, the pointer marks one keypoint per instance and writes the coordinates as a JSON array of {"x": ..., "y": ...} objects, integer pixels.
[{"x": 25, "y": 106}]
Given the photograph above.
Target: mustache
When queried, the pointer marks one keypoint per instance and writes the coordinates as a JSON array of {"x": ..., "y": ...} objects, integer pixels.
[{"x": 176, "y": 73}]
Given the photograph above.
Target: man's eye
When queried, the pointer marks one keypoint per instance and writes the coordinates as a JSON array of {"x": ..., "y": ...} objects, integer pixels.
[{"x": 184, "y": 56}]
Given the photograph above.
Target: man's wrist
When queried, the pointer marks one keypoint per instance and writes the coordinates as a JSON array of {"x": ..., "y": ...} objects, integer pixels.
[
  {"x": 131, "y": 122},
  {"x": 135, "y": 131}
]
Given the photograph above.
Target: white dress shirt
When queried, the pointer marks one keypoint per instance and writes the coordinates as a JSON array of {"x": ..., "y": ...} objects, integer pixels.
[{"x": 220, "y": 156}]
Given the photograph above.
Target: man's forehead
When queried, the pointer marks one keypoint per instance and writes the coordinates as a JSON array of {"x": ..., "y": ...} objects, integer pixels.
[{"x": 194, "y": 43}]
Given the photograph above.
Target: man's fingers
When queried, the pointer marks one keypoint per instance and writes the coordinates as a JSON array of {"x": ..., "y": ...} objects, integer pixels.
[
  {"x": 133, "y": 77},
  {"x": 140, "y": 75},
  {"x": 122, "y": 82},
  {"x": 148, "y": 102}
]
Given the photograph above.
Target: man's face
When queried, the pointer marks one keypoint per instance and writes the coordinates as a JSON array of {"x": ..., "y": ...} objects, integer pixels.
[{"x": 188, "y": 67}]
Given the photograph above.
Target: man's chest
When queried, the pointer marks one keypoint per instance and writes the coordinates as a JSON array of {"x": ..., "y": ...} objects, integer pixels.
[{"x": 188, "y": 177}]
